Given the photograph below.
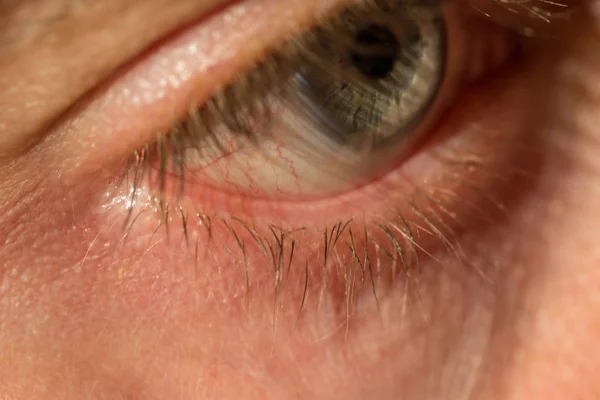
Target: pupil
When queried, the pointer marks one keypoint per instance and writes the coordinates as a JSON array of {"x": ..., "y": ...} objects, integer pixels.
[{"x": 375, "y": 52}]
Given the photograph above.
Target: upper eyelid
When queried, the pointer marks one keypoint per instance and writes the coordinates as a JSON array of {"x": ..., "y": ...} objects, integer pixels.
[
  {"x": 130, "y": 110},
  {"x": 156, "y": 94}
]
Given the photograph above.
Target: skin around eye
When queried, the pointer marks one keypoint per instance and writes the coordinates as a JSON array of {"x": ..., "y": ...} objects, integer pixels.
[
  {"x": 376, "y": 292},
  {"x": 404, "y": 222},
  {"x": 407, "y": 221}
]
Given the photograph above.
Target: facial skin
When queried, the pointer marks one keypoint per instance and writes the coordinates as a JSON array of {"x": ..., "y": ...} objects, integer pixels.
[{"x": 104, "y": 302}]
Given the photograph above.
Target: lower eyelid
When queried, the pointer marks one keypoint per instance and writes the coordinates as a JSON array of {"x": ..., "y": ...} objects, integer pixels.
[{"x": 472, "y": 177}]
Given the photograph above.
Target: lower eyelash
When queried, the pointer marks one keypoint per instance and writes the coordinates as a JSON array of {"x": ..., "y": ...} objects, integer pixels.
[
  {"x": 398, "y": 244},
  {"x": 358, "y": 260}
]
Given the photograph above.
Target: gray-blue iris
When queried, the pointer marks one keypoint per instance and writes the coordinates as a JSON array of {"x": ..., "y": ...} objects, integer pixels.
[{"x": 373, "y": 79}]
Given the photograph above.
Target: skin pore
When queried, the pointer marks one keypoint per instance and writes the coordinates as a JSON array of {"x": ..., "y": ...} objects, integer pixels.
[{"x": 104, "y": 295}]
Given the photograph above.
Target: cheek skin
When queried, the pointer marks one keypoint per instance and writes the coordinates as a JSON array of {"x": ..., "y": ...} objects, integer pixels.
[
  {"x": 555, "y": 326},
  {"x": 86, "y": 311},
  {"x": 219, "y": 314}
]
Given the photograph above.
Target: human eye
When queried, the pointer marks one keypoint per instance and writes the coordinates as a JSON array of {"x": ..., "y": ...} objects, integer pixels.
[
  {"x": 330, "y": 109},
  {"x": 339, "y": 134},
  {"x": 356, "y": 86},
  {"x": 312, "y": 182}
]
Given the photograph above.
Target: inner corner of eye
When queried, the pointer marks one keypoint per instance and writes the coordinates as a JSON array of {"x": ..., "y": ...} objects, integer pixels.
[{"x": 347, "y": 106}]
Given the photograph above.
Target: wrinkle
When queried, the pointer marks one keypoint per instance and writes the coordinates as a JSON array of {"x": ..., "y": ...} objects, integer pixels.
[{"x": 46, "y": 68}]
